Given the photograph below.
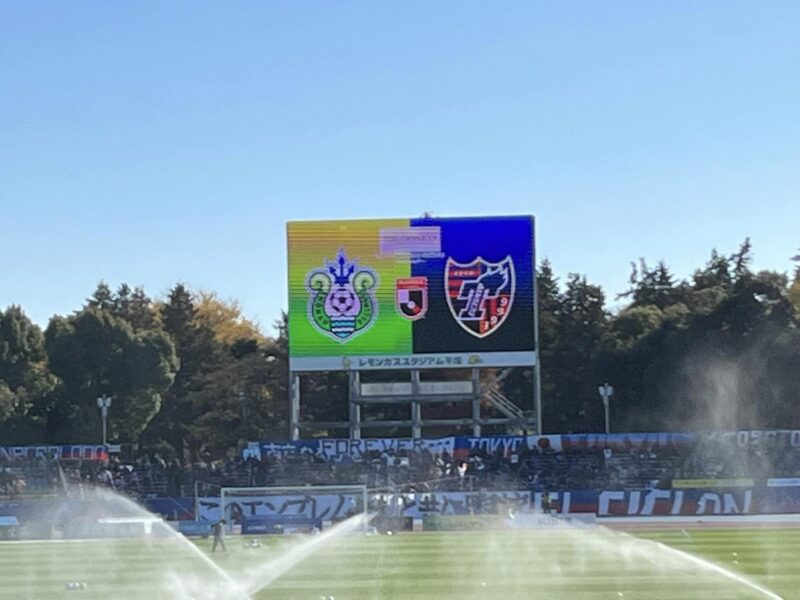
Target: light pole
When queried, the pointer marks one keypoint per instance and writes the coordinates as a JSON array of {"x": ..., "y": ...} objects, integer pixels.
[
  {"x": 103, "y": 403},
  {"x": 243, "y": 402},
  {"x": 606, "y": 391}
]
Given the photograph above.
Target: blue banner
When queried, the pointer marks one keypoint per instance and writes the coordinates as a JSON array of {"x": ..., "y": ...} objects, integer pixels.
[
  {"x": 358, "y": 450},
  {"x": 202, "y": 528},
  {"x": 10, "y": 454},
  {"x": 278, "y": 523},
  {"x": 506, "y": 445},
  {"x": 759, "y": 500}
]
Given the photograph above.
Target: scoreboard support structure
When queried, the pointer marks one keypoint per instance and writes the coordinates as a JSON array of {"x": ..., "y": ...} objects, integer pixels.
[
  {"x": 418, "y": 298},
  {"x": 417, "y": 393}
]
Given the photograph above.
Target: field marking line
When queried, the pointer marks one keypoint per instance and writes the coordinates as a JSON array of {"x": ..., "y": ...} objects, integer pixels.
[{"x": 719, "y": 569}]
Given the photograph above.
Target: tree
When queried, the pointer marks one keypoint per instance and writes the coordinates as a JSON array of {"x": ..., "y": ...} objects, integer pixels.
[
  {"x": 226, "y": 389},
  {"x": 736, "y": 360},
  {"x": 634, "y": 323},
  {"x": 235, "y": 404},
  {"x": 25, "y": 380},
  {"x": 723, "y": 364},
  {"x": 95, "y": 353},
  {"x": 571, "y": 370},
  {"x": 794, "y": 290},
  {"x": 178, "y": 316},
  {"x": 192, "y": 373},
  {"x": 653, "y": 287},
  {"x": 249, "y": 387},
  {"x": 518, "y": 384},
  {"x": 131, "y": 305},
  {"x": 549, "y": 300},
  {"x": 102, "y": 298},
  {"x": 277, "y": 356},
  {"x": 196, "y": 351},
  {"x": 226, "y": 320},
  {"x": 714, "y": 282}
]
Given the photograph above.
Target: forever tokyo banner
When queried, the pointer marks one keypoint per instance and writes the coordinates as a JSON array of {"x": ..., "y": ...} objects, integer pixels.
[
  {"x": 459, "y": 446},
  {"x": 357, "y": 450}
]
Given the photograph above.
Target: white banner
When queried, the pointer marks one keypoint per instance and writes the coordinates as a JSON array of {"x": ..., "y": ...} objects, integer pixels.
[
  {"x": 336, "y": 506},
  {"x": 333, "y": 449},
  {"x": 784, "y": 482}
]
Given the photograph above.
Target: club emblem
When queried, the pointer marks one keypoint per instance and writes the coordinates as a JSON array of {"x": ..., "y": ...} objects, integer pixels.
[
  {"x": 411, "y": 297},
  {"x": 480, "y": 294},
  {"x": 342, "y": 298}
]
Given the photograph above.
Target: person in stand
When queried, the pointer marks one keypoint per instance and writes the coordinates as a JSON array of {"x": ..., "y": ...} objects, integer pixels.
[{"x": 218, "y": 530}]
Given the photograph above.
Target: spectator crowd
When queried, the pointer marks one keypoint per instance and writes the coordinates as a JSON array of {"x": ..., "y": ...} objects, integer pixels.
[{"x": 147, "y": 475}]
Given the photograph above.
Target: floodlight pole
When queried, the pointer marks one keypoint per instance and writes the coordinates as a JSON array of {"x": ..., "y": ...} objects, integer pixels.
[
  {"x": 243, "y": 403},
  {"x": 476, "y": 402},
  {"x": 354, "y": 408},
  {"x": 537, "y": 367},
  {"x": 416, "y": 409},
  {"x": 103, "y": 403},
  {"x": 606, "y": 391},
  {"x": 294, "y": 406}
]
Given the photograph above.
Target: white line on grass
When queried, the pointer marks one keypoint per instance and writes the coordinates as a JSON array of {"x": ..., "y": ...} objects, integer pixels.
[{"x": 721, "y": 570}]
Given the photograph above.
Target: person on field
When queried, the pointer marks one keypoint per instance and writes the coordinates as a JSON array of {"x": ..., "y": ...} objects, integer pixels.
[
  {"x": 218, "y": 530},
  {"x": 547, "y": 503}
]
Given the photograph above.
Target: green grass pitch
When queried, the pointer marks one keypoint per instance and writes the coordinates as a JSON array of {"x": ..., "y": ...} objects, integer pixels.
[{"x": 559, "y": 564}]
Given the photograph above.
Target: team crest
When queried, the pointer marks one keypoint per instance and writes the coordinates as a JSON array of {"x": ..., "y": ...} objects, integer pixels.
[
  {"x": 411, "y": 297},
  {"x": 342, "y": 298},
  {"x": 480, "y": 294}
]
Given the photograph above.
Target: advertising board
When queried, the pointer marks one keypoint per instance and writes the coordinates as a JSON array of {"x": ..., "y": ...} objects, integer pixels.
[{"x": 411, "y": 293}]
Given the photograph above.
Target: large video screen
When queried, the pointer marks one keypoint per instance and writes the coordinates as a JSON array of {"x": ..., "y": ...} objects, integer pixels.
[{"x": 411, "y": 293}]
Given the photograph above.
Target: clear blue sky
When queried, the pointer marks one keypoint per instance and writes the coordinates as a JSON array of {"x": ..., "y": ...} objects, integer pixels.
[{"x": 150, "y": 142}]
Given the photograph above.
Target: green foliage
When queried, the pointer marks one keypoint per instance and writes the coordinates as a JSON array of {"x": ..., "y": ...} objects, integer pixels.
[
  {"x": 653, "y": 287},
  {"x": 636, "y": 322},
  {"x": 191, "y": 374},
  {"x": 719, "y": 357},
  {"x": 21, "y": 347},
  {"x": 95, "y": 353},
  {"x": 25, "y": 381},
  {"x": 717, "y": 351},
  {"x": 231, "y": 383},
  {"x": 794, "y": 289}
]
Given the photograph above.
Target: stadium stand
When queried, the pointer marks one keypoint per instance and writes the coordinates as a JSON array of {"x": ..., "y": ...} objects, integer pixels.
[{"x": 533, "y": 469}]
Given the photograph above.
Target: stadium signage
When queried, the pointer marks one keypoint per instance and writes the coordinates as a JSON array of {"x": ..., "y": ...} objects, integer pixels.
[
  {"x": 411, "y": 297},
  {"x": 357, "y": 450},
  {"x": 745, "y": 439},
  {"x": 702, "y": 503},
  {"x": 338, "y": 449},
  {"x": 712, "y": 483},
  {"x": 341, "y": 300},
  {"x": 480, "y": 294},
  {"x": 783, "y": 482},
  {"x": 418, "y": 242},
  {"x": 502, "y": 444},
  {"x": 432, "y": 388},
  {"x": 18, "y": 453},
  {"x": 428, "y": 361},
  {"x": 336, "y": 506},
  {"x": 651, "y": 502},
  {"x": 426, "y": 293},
  {"x": 606, "y": 503}
]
